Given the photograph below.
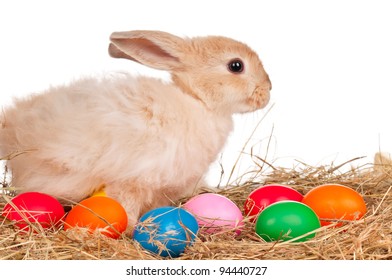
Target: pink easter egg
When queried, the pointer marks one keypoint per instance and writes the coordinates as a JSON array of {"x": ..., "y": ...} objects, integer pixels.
[{"x": 215, "y": 213}]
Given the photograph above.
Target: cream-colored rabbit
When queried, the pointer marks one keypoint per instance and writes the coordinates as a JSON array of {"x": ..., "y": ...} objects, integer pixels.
[{"x": 148, "y": 141}]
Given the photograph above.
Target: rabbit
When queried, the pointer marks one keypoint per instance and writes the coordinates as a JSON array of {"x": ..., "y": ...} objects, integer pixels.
[{"x": 148, "y": 141}]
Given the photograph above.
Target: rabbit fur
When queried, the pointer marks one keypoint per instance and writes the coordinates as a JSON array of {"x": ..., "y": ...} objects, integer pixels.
[{"x": 149, "y": 142}]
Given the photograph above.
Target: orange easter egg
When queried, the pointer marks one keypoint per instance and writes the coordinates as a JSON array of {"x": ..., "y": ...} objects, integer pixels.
[
  {"x": 334, "y": 202},
  {"x": 98, "y": 213}
]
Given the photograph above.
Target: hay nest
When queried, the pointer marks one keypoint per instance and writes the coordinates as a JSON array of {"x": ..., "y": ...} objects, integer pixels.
[{"x": 369, "y": 238}]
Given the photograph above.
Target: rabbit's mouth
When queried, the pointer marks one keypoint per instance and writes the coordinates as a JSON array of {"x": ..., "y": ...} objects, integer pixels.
[{"x": 259, "y": 98}]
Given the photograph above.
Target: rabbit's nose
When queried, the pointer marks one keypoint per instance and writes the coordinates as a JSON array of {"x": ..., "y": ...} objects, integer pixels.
[
  {"x": 266, "y": 86},
  {"x": 268, "y": 81}
]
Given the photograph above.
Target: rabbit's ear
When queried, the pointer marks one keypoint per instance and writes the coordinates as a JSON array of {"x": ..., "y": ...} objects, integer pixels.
[{"x": 155, "y": 49}]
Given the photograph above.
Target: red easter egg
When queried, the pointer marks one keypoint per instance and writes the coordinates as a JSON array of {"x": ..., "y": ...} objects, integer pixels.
[
  {"x": 263, "y": 196},
  {"x": 34, "y": 207}
]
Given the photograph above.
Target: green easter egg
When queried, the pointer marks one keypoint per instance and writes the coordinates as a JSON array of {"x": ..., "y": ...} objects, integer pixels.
[{"x": 286, "y": 220}]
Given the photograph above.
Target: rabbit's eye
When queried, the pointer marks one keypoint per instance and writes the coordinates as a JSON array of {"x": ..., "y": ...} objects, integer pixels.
[{"x": 236, "y": 66}]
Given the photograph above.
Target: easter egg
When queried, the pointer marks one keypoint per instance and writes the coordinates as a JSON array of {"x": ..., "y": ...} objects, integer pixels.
[
  {"x": 285, "y": 220},
  {"x": 333, "y": 202},
  {"x": 98, "y": 213},
  {"x": 99, "y": 193},
  {"x": 266, "y": 195},
  {"x": 166, "y": 231},
  {"x": 215, "y": 213},
  {"x": 31, "y": 208}
]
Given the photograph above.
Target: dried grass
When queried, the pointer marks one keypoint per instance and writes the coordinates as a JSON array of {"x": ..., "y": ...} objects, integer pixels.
[{"x": 369, "y": 238}]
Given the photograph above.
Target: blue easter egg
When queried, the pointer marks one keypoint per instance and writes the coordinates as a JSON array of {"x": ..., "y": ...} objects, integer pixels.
[{"x": 166, "y": 231}]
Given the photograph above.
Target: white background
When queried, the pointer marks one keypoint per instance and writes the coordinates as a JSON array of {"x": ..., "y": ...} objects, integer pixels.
[
  {"x": 329, "y": 62},
  {"x": 276, "y": 270}
]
